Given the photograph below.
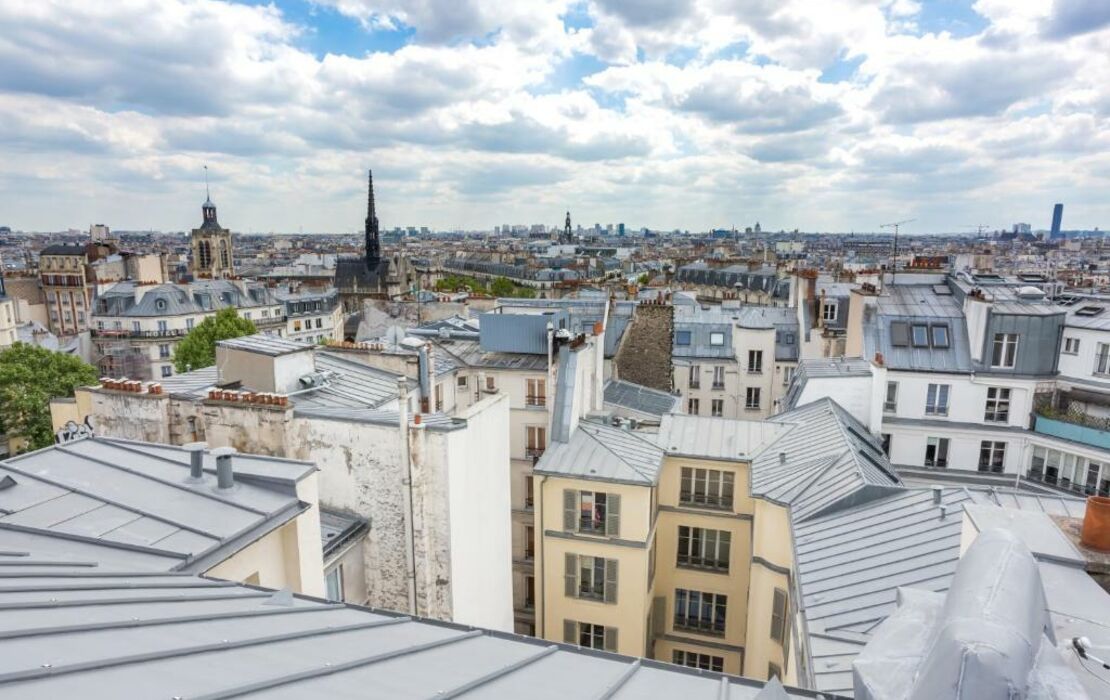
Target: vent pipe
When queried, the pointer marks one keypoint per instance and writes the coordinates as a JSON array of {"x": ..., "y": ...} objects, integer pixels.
[
  {"x": 196, "y": 460},
  {"x": 938, "y": 492},
  {"x": 782, "y": 458},
  {"x": 225, "y": 475}
]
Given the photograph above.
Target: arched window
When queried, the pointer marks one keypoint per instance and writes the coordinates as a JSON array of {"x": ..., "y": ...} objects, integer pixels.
[
  {"x": 225, "y": 262},
  {"x": 204, "y": 255}
]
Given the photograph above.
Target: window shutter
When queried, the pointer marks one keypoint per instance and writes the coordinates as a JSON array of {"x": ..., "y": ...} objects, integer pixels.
[
  {"x": 612, "y": 515},
  {"x": 610, "y": 638},
  {"x": 610, "y": 580},
  {"x": 659, "y": 615},
  {"x": 572, "y": 576},
  {"x": 570, "y": 631},
  {"x": 570, "y": 510}
]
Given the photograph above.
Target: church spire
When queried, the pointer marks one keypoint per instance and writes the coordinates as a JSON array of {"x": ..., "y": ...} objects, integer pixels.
[{"x": 373, "y": 245}]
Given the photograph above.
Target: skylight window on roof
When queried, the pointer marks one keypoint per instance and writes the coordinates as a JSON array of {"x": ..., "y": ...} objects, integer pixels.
[
  {"x": 1089, "y": 311},
  {"x": 940, "y": 336},
  {"x": 899, "y": 333},
  {"x": 716, "y": 338},
  {"x": 682, "y": 337},
  {"x": 920, "y": 335}
]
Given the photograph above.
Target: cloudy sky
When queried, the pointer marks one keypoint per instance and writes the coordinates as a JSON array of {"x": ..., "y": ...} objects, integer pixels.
[{"x": 832, "y": 115}]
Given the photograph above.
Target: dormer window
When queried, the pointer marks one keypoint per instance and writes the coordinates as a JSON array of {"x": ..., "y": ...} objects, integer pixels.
[
  {"x": 940, "y": 336},
  {"x": 899, "y": 334},
  {"x": 920, "y": 335},
  {"x": 160, "y": 304},
  {"x": 716, "y": 338},
  {"x": 682, "y": 337}
]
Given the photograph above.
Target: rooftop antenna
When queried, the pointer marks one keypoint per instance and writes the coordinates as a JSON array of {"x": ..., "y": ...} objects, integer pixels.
[
  {"x": 894, "y": 260},
  {"x": 979, "y": 228}
]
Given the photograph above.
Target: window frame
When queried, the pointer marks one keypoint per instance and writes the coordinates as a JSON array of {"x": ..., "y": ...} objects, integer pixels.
[
  {"x": 709, "y": 612},
  {"x": 890, "y": 405},
  {"x": 755, "y": 362},
  {"x": 703, "y": 549},
  {"x": 717, "y": 408},
  {"x": 943, "y": 328},
  {"x": 750, "y": 393},
  {"x": 997, "y": 408},
  {"x": 1004, "y": 351},
  {"x": 933, "y": 396},
  {"x": 716, "y": 339},
  {"x": 700, "y": 487},
  {"x": 992, "y": 456},
  {"x": 940, "y": 447},
  {"x": 923, "y": 341}
]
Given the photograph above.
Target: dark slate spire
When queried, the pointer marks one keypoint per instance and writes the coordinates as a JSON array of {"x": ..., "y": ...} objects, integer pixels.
[
  {"x": 208, "y": 209},
  {"x": 373, "y": 246},
  {"x": 567, "y": 235}
]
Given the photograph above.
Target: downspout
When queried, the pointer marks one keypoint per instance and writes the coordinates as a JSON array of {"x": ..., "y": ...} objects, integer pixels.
[
  {"x": 406, "y": 481},
  {"x": 549, "y": 390},
  {"x": 541, "y": 606}
]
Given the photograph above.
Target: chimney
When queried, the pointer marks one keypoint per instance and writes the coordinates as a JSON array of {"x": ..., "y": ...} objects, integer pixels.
[
  {"x": 196, "y": 460},
  {"x": 225, "y": 476},
  {"x": 1096, "y": 524}
]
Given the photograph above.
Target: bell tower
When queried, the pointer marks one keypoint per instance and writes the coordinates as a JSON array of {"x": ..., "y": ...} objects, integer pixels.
[{"x": 213, "y": 257}]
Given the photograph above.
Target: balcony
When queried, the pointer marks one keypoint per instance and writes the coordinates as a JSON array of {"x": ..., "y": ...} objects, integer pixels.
[
  {"x": 538, "y": 401},
  {"x": 124, "y": 333},
  {"x": 1076, "y": 427}
]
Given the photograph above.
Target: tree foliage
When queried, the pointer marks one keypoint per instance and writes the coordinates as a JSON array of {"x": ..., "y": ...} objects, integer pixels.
[
  {"x": 30, "y": 377},
  {"x": 502, "y": 287},
  {"x": 198, "y": 348}
]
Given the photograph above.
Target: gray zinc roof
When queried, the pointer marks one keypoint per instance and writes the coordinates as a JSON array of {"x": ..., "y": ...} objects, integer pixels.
[
  {"x": 599, "y": 451},
  {"x": 638, "y": 398},
  {"x": 470, "y": 354},
  {"x": 715, "y": 438},
  {"x": 264, "y": 344},
  {"x": 921, "y": 304},
  {"x": 350, "y": 385}
]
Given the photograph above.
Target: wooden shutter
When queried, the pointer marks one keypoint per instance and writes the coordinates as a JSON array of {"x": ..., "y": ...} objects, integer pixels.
[
  {"x": 570, "y": 631},
  {"x": 778, "y": 615},
  {"x": 612, "y": 515},
  {"x": 610, "y": 580},
  {"x": 570, "y": 510},
  {"x": 659, "y": 615},
  {"x": 610, "y": 638},
  {"x": 572, "y": 575}
]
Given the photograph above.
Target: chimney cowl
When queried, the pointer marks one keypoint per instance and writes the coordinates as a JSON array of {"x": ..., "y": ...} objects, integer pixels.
[
  {"x": 225, "y": 474},
  {"x": 196, "y": 459}
]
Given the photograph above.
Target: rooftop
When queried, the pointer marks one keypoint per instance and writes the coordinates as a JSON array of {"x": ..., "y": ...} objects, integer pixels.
[{"x": 639, "y": 399}]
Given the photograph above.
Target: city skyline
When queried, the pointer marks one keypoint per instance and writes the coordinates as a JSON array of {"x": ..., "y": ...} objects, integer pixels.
[{"x": 693, "y": 115}]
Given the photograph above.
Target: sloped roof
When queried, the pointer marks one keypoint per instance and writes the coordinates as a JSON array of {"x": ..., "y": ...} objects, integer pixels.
[
  {"x": 639, "y": 398},
  {"x": 920, "y": 304},
  {"x": 350, "y": 385},
  {"x": 841, "y": 462},
  {"x": 599, "y": 451},
  {"x": 715, "y": 438},
  {"x": 823, "y": 369}
]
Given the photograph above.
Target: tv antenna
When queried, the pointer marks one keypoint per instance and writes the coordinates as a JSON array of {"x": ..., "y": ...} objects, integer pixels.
[
  {"x": 894, "y": 260},
  {"x": 979, "y": 228}
]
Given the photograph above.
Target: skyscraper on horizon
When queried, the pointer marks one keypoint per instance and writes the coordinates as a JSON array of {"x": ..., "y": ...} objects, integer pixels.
[{"x": 1057, "y": 219}]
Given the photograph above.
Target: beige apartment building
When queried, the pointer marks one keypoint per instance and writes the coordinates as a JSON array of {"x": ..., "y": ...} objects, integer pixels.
[{"x": 679, "y": 546}]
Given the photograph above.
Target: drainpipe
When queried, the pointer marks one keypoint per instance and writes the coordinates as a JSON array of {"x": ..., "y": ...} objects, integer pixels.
[
  {"x": 549, "y": 390},
  {"x": 406, "y": 481},
  {"x": 538, "y": 565}
]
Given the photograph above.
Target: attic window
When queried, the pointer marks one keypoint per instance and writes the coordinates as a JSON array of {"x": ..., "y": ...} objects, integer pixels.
[
  {"x": 920, "y": 335},
  {"x": 899, "y": 334},
  {"x": 716, "y": 338},
  {"x": 1089, "y": 311},
  {"x": 940, "y": 336},
  {"x": 682, "y": 337},
  {"x": 160, "y": 304}
]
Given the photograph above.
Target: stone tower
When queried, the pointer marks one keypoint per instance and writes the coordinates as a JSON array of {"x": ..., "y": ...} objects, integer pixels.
[{"x": 211, "y": 243}]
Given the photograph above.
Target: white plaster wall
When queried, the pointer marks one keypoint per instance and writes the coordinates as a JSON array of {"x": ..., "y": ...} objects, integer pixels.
[
  {"x": 1081, "y": 365},
  {"x": 852, "y": 393},
  {"x": 967, "y": 396},
  {"x": 479, "y": 507}
]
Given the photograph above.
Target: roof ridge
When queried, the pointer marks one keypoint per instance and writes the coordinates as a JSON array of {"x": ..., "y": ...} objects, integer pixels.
[{"x": 618, "y": 456}]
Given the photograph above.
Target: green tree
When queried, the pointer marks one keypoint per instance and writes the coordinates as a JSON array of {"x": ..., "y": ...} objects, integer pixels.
[
  {"x": 198, "y": 349},
  {"x": 644, "y": 279},
  {"x": 524, "y": 293},
  {"x": 502, "y": 287},
  {"x": 30, "y": 377}
]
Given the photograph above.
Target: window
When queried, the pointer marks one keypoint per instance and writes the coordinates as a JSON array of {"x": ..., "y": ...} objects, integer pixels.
[
  {"x": 755, "y": 361},
  {"x": 535, "y": 440},
  {"x": 788, "y": 375},
  {"x": 589, "y": 635},
  {"x": 529, "y": 542},
  {"x": 591, "y": 512},
  {"x": 886, "y": 443},
  {"x": 529, "y": 591},
  {"x": 164, "y": 350},
  {"x": 718, "y": 377},
  {"x": 189, "y": 324},
  {"x": 700, "y": 548},
  {"x": 1102, "y": 358},
  {"x": 940, "y": 336},
  {"x": 167, "y": 371},
  {"x": 1005, "y": 350},
  {"x": 491, "y": 385},
  {"x": 828, "y": 311},
  {"x": 460, "y": 382},
  {"x": 706, "y": 487},
  {"x": 936, "y": 452},
  {"x": 682, "y": 337},
  {"x": 319, "y": 323},
  {"x": 1071, "y": 346},
  {"x": 936, "y": 401},
  {"x": 899, "y": 333},
  {"x": 778, "y": 616},
  {"x": 716, "y": 338},
  {"x": 992, "y": 456},
  {"x": 998, "y": 405},
  {"x": 591, "y": 577},
  {"x": 247, "y": 315},
  {"x": 890, "y": 405},
  {"x": 700, "y": 612},
  {"x": 439, "y": 397},
  {"x": 695, "y": 377},
  {"x": 535, "y": 392},
  {"x": 333, "y": 581},
  {"x": 920, "y": 335},
  {"x": 717, "y": 408},
  {"x": 296, "y": 325},
  {"x": 136, "y": 326},
  {"x": 529, "y": 491},
  {"x": 693, "y": 659},
  {"x": 163, "y": 326},
  {"x": 692, "y": 406},
  {"x": 751, "y": 398}
]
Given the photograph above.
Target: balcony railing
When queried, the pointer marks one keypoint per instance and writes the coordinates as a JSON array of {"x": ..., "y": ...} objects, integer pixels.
[
  {"x": 124, "y": 333},
  {"x": 1081, "y": 428},
  {"x": 535, "y": 400}
]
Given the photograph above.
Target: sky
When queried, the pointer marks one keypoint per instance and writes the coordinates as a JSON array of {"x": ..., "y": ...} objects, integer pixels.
[{"x": 837, "y": 115}]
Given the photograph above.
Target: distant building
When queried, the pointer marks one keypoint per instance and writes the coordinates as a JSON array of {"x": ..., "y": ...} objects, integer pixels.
[
  {"x": 1057, "y": 219},
  {"x": 370, "y": 276},
  {"x": 211, "y": 244}
]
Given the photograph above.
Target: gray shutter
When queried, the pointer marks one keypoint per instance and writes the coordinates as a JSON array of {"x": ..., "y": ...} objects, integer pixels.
[
  {"x": 572, "y": 575},
  {"x": 570, "y": 510},
  {"x": 612, "y": 515},
  {"x": 610, "y": 580},
  {"x": 570, "y": 631},
  {"x": 610, "y": 638},
  {"x": 659, "y": 615}
]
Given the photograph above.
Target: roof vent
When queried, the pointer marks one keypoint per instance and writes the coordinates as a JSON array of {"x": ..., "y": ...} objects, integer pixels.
[
  {"x": 782, "y": 458},
  {"x": 7, "y": 482},
  {"x": 196, "y": 460},
  {"x": 225, "y": 475},
  {"x": 938, "y": 493},
  {"x": 1030, "y": 294}
]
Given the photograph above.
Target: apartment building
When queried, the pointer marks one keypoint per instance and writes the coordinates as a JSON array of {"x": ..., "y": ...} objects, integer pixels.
[
  {"x": 135, "y": 327},
  {"x": 426, "y": 482},
  {"x": 9, "y": 318},
  {"x": 750, "y": 283},
  {"x": 312, "y": 317},
  {"x": 733, "y": 361}
]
